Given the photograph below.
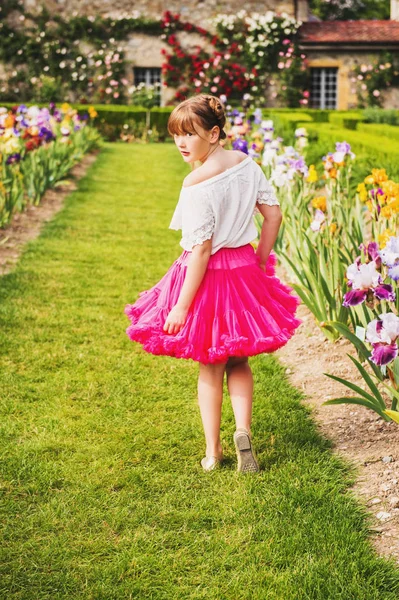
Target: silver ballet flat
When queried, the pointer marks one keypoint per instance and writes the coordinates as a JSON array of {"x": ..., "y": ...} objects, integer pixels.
[
  {"x": 247, "y": 461},
  {"x": 210, "y": 463}
]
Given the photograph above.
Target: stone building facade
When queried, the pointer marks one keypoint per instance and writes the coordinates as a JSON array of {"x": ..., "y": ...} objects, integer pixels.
[
  {"x": 196, "y": 11},
  {"x": 333, "y": 48},
  {"x": 143, "y": 52}
]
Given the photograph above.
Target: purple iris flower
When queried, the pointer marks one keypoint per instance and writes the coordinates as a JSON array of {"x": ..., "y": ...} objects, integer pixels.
[
  {"x": 365, "y": 281},
  {"x": 47, "y": 134},
  {"x": 240, "y": 144},
  {"x": 300, "y": 165},
  {"x": 354, "y": 297},
  {"x": 384, "y": 291},
  {"x": 13, "y": 158},
  {"x": 371, "y": 251},
  {"x": 377, "y": 192},
  {"x": 258, "y": 116},
  {"x": 390, "y": 257},
  {"x": 253, "y": 153},
  {"x": 342, "y": 147},
  {"x": 393, "y": 272},
  {"x": 57, "y": 115},
  {"x": 382, "y": 334},
  {"x": 382, "y": 354}
]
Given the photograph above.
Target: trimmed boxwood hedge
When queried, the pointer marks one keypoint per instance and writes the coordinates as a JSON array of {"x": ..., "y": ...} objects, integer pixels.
[
  {"x": 349, "y": 120},
  {"x": 331, "y": 124},
  {"x": 357, "y": 139},
  {"x": 375, "y": 150},
  {"x": 112, "y": 117},
  {"x": 389, "y": 131},
  {"x": 317, "y": 115}
]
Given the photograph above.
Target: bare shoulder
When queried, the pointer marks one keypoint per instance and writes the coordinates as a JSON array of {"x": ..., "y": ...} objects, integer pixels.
[
  {"x": 240, "y": 153},
  {"x": 212, "y": 169},
  {"x": 195, "y": 177},
  {"x": 201, "y": 174}
]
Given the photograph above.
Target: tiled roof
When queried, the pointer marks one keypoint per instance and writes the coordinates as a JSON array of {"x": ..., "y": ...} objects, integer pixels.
[{"x": 335, "y": 32}]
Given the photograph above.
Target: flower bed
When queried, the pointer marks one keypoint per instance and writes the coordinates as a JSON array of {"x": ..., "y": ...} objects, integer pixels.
[
  {"x": 38, "y": 147},
  {"x": 338, "y": 242}
]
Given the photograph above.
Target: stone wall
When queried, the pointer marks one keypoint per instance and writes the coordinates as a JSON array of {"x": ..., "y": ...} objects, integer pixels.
[
  {"x": 196, "y": 10},
  {"x": 345, "y": 62}
]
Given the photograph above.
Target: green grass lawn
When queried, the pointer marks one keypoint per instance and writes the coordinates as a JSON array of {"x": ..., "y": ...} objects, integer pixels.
[{"x": 102, "y": 491}]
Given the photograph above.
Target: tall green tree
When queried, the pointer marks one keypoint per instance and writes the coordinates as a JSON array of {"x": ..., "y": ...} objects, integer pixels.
[{"x": 343, "y": 10}]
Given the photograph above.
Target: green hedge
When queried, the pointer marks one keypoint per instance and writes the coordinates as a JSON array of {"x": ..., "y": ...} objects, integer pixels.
[
  {"x": 349, "y": 120},
  {"x": 293, "y": 117},
  {"x": 381, "y": 115},
  {"x": 357, "y": 139},
  {"x": 317, "y": 115},
  {"x": 286, "y": 122},
  {"x": 112, "y": 117},
  {"x": 330, "y": 124},
  {"x": 372, "y": 151},
  {"x": 389, "y": 131}
]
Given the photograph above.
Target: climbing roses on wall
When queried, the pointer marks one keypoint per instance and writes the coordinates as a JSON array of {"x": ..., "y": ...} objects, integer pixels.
[{"x": 248, "y": 53}]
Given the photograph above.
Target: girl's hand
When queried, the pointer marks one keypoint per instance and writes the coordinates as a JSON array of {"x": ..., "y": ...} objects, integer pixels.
[
  {"x": 262, "y": 265},
  {"x": 175, "y": 319}
]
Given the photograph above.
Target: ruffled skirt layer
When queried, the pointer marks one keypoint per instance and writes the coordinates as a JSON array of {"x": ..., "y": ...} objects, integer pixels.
[{"x": 238, "y": 310}]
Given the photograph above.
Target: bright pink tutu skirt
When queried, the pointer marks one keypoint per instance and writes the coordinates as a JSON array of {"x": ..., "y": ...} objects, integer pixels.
[{"x": 239, "y": 309}]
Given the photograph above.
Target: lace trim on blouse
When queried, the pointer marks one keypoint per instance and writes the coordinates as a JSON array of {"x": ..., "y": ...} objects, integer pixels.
[
  {"x": 267, "y": 196},
  {"x": 198, "y": 236}
]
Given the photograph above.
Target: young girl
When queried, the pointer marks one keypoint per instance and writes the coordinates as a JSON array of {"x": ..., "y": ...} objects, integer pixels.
[{"x": 220, "y": 301}]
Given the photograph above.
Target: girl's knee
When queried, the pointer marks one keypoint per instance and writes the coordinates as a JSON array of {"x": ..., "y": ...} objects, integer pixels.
[{"x": 212, "y": 367}]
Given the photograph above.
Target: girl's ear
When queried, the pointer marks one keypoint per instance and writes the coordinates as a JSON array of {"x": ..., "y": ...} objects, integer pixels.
[{"x": 215, "y": 132}]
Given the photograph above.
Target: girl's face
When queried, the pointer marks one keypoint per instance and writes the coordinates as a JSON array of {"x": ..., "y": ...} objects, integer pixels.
[{"x": 195, "y": 146}]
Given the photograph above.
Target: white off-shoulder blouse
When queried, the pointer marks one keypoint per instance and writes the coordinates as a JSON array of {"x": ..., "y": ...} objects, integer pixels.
[{"x": 223, "y": 206}]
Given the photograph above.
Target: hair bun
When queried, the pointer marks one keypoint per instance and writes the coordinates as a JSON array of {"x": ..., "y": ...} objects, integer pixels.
[
  {"x": 216, "y": 105},
  {"x": 217, "y": 108}
]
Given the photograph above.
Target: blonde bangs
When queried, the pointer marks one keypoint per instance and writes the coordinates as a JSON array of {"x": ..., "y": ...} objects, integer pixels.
[{"x": 182, "y": 120}]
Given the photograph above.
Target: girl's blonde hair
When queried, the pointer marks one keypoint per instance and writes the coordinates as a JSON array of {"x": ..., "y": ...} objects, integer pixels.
[{"x": 203, "y": 109}]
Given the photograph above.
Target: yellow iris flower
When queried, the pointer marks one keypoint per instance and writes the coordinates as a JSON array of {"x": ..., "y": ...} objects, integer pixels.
[
  {"x": 369, "y": 205},
  {"x": 379, "y": 175},
  {"x": 312, "y": 175},
  {"x": 362, "y": 191},
  {"x": 383, "y": 238},
  {"x": 320, "y": 202}
]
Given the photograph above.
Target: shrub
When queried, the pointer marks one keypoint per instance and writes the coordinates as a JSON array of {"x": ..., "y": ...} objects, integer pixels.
[{"x": 379, "y": 115}]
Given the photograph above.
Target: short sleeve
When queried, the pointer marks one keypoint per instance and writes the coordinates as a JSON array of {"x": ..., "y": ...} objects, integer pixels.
[
  {"x": 266, "y": 193},
  {"x": 198, "y": 218},
  {"x": 176, "y": 222}
]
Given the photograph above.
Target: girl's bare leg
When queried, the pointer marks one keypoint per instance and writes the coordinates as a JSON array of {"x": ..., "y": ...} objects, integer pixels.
[
  {"x": 210, "y": 398},
  {"x": 240, "y": 385}
]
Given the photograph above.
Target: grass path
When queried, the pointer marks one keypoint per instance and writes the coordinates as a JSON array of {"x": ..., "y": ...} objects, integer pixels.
[{"x": 102, "y": 493}]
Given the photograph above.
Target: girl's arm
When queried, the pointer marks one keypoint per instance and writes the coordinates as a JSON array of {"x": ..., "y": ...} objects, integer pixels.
[
  {"x": 270, "y": 227},
  {"x": 196, "y": 268}
]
